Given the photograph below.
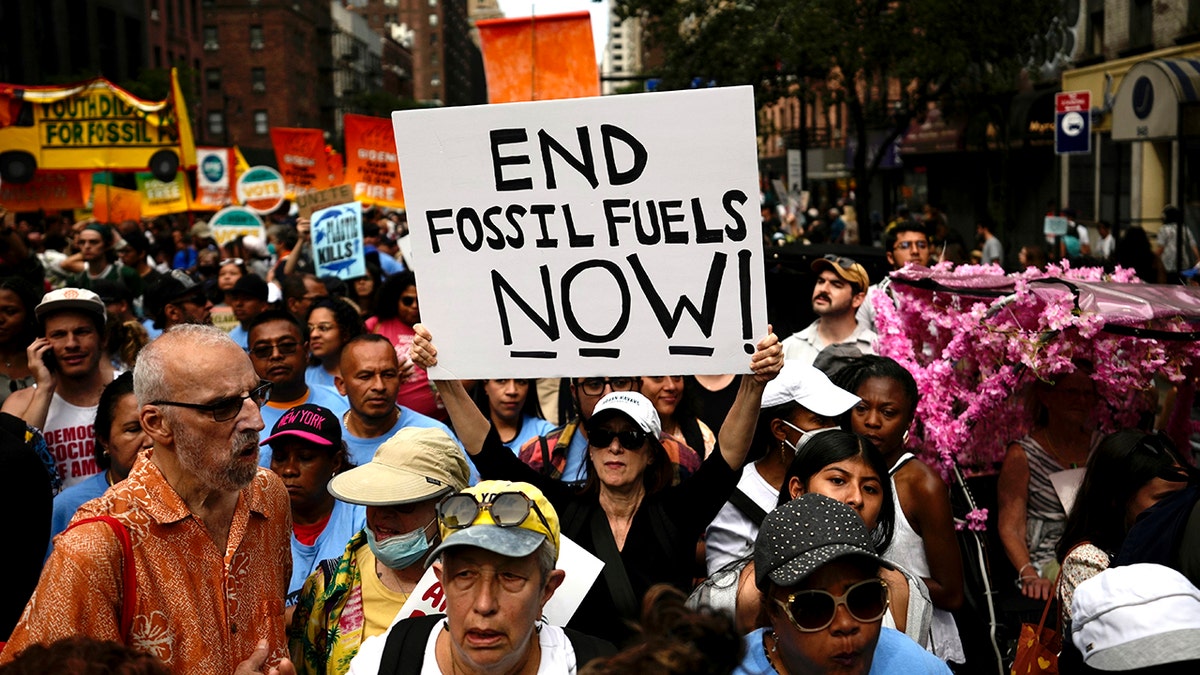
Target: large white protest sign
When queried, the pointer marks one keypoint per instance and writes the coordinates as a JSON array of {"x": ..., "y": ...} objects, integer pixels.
[
  {"x": 337, "y": 241},
  {"x": 597, "y": 236}
]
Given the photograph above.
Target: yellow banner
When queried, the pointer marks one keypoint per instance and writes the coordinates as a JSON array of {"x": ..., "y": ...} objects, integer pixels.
[{"x": 159, "y": 198}]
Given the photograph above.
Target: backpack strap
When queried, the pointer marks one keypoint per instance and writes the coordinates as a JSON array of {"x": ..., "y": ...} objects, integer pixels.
[
  {"x": 588, "y": 648},
  {"x": 742, "y": 502},
  {"x": 546, "y": 467},
  {"x": 128, "y": 570},
  {"x": 614, "y": 568},
  {"x": 403, "y": 653}
]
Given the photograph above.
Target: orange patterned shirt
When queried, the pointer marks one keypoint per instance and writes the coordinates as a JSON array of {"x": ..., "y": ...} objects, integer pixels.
[{"x": 198, "y": 611}]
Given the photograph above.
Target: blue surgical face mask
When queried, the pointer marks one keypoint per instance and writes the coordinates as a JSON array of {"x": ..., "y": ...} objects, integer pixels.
[
  {"x": 401, "y": 550},
  {"x": 805, "y": 436}
]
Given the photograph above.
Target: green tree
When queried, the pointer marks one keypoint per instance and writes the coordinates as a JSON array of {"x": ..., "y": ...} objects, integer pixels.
[{"x": 958, "y": 53}]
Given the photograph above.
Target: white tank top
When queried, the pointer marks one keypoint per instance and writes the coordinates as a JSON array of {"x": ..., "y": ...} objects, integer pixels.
[
  {"x": 70, "y": 436},
  {"x": 908, "y": 550}
]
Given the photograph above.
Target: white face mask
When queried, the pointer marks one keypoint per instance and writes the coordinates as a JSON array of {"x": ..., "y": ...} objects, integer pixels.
[{"x": 805, "y": 436}]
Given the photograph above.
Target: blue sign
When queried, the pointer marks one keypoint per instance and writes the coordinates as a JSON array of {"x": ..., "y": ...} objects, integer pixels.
[{"x": 337, "y": 241}]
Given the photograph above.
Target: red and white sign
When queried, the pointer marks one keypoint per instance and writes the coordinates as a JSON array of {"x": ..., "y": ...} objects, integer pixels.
[{"x": 1072, "y": 101}]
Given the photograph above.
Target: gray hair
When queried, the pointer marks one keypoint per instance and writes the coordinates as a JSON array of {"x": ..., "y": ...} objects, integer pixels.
[
  {"x": 149, "y": 375},
  {"x": 547, "y": 558}
]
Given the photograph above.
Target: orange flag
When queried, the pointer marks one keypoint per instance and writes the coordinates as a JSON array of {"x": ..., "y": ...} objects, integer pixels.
[
  {"x": 48, "y": 190},
  {"x": 114, "y": 205},
  {"x": 539, "y": 58},
  {"x": 371, "y": 161},
  {"x": 302, "y": 160}
]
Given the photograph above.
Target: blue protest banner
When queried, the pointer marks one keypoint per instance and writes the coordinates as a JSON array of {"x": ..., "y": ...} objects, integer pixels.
[{"x": 337, "y": 241}]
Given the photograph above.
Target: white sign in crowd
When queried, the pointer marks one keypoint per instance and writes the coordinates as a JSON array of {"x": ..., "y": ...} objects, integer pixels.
[{"x": 611, "y": 235}]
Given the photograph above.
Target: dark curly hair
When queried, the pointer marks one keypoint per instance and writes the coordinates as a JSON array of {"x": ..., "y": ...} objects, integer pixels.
[
  {"x": 349, "y": 323},
  {"x": 81, "y": 655}
]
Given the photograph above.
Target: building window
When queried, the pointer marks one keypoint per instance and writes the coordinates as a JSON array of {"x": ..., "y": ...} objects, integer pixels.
[
  {"x": 1141, "y": 23},
  {"x": 210, "y": 38},
  {"x": 433, "y": 19},
  {"x": 212, "y": 77},
  {"x": 258, "y": 80},
  {"x": 433, "y": 3},
  {"x": 1095, "y": 34},
  {"x": 433, "y": 39},
  {"x": 256, "y": 37},
  {"x": 261, "y": 126},
  {"x": 391, "y": 3},
  {"x": 216, "y": 124}
]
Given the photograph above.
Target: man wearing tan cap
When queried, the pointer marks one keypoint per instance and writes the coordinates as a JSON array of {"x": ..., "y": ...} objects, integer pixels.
[
  {"x": 356, "y": 596},
  {"x": 840, "y": 290}
]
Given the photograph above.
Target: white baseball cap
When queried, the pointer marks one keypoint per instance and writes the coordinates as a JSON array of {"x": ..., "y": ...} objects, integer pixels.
[
  {"x": 809, "y": 387},
  {"x": 1136, "y": 616},
  {"x": 633, "y": 405}
]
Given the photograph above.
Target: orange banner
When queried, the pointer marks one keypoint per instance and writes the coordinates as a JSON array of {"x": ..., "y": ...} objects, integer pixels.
[
  {"x": 48, "y": 191},
  {"x": 371, "y": 161},
  {"x": 115, "y": 205},
  {"x": 539, "y": 58},
  {"x": 301, "y": 157}
]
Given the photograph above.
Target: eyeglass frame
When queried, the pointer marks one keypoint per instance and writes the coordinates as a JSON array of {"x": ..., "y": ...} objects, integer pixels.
[
  {"x": 263, "y": 389},
  {"x": 635, "y": 384},
  {"x": 593, "y": 440},
  {"x": 257, "y": 351},
  {"x": 480, "y": 507},
  {"x": 905, "y": 245},
  {"x": 838, "y": 601},
  {"x": 240, "y": 262}
]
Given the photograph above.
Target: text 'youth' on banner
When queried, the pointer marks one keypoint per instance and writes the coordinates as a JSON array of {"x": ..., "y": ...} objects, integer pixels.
[{"x": 587, "y": 237}]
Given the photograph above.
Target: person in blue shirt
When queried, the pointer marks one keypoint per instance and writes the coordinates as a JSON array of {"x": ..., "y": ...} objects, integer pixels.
[
  {"x": 332, "y": 322},
  {"x": 824, "y": 600},
  {"x": 369, "y": 379},
  {"x": 307, "y": 452},
  {"x": 516, "y": 415},
  {"x": 279, "y": 352},
  {"x": 118, "y": 440}
]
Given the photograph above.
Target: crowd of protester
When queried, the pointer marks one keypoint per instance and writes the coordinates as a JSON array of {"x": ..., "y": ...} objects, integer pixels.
[{"x": 266, "y": 495}]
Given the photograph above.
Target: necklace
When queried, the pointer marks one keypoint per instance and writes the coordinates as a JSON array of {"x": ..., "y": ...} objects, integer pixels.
[{"x": 1052, "y": 447}]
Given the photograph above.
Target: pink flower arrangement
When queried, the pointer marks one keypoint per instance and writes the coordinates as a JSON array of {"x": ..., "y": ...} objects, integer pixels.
[
  {"x": 973, "y": 356},
  {"x": 976, "y": 521}
]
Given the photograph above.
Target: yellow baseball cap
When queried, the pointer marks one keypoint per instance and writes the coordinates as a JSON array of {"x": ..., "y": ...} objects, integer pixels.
[{"x": 504, "y": 517}]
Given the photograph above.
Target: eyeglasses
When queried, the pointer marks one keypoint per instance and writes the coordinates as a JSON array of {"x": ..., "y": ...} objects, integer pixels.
[
  {"x": 841, "y": 261},
  {"x": 324, "y": 327},
  {"x": 228, "y": 408},
  {"x": 231, "y": 261},
  {"x": 285, "y": 347},
  {"x": 408, "y": 300},
  {"x": 905, "y": 245},
  {"x": 630, "y": 439},
  {"x": 812, "y": 611},
  {"x": 508, "y": 509},
  {"x": 594, "y": 386}
]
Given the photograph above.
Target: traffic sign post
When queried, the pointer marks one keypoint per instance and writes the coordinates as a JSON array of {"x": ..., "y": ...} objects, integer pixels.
[{"x": 1073, "y": 122}]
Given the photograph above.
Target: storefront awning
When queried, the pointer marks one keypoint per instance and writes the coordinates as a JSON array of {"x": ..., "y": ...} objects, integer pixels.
[{"x": 1151, "y": 95}]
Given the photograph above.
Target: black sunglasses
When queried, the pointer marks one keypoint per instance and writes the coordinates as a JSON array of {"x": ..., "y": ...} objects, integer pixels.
[
  {"x": 630, "y": 439},
  {"x": 841, "y": 261},
  {"x": 812, "y": 611},
  {"x": 228, "y": 408},
  {"x": 285, "y": 349},
  {"x": 408, "y": 300},
  {"x": 508, "y": 509}
]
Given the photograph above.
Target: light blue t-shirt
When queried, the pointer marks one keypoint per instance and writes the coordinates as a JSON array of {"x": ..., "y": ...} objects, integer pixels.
[
  {"x": 894, "y": 653},
  {"x": 531, "y": 427},
  {"x": 344, "y": 522},
  {"x": 317, "y": 396},
  {"x": 317, "y": 376},
  {"x": 573, "y": 470},
  {"x": 241, "y": 336},
  {"x": 67, "y": 502},
  {"x": 363, "y": 449}
]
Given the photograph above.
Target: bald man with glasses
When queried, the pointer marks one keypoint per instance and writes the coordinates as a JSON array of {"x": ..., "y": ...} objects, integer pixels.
[{"x": 187, "y": 559}]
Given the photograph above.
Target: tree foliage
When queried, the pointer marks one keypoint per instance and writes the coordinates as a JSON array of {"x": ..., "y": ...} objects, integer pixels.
[{"x": 959, "y": 53}]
